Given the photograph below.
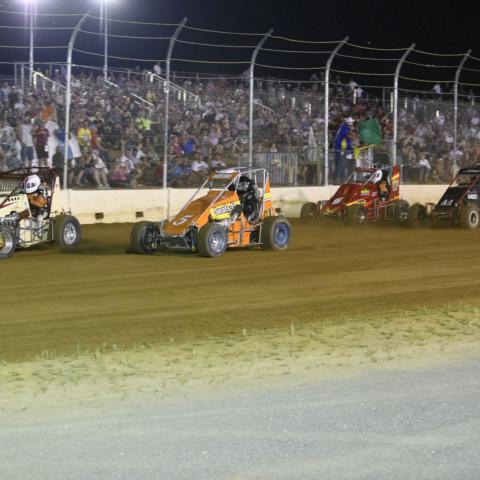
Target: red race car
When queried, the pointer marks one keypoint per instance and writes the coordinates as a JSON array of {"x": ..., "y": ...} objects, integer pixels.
[{"x": 370, "y": 194}]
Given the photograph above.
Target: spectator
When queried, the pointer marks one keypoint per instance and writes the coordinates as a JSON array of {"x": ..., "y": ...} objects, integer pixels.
[
  {"x": 425, "y": 168},
  {"x": 100, "y": 170},
  {"x": 343, "y": 149},
  {"x": 40, "y": 136},
  {"x": 199, "y": 165},
  {"x": 26, "y": 139},
  {"x": 84, "y": 136},
  {"x": 58, "y": 163}
]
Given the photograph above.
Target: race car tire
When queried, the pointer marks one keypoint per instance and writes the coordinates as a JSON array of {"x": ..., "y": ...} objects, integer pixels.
[
  {"x": 212, "y": 240},
  {"x": 309, "y": 210},
  {"x": 400, "y": 212},
  {"x": 417, "y": 216},
  {"x": 357, "y": 215},
  {"x": 7, "y": 243},
  {"x": 68, "y": 232},
  {"x": 469, "y": 217},
  {"x": 142, "y": 238},
  {"x": 276, "y": 233}
]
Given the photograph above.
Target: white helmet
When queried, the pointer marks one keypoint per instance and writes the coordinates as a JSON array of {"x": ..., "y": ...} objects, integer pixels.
[{"x": 32, "y": 183}]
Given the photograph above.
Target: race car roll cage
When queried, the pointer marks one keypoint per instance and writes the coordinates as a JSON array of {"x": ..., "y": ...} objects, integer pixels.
[
  {"x": 235, "y": 174},
  {"x": 372, "y": 170},
  {"x": 470, "y": 171},
  {"x": 13, "y": 181}
]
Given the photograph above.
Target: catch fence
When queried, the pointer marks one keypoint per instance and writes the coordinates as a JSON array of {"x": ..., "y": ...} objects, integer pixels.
[{"x": 249, "y": 99}]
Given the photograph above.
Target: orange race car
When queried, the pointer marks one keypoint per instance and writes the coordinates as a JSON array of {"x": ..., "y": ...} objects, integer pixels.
[{"x": 231, "y": 209}]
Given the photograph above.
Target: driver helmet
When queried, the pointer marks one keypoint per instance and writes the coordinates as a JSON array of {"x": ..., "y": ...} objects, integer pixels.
[
  {"x": 32, "y": 183},
  {"x": 377, "y": 176},
  {"x": 244, "y": 183}
]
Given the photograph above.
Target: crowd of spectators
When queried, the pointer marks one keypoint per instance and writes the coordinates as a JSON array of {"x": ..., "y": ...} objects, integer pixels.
[{"x": 117, "y": 128}]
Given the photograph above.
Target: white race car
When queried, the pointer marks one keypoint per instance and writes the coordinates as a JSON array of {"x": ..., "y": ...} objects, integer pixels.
[{"x": 30, "y": 213}]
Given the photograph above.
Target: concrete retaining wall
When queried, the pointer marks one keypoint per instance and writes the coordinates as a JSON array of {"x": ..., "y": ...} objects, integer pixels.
[{"x": 111, "y": 206}]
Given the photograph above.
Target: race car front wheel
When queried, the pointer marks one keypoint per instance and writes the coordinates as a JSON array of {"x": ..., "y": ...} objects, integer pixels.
[
  {"x": 309, "y": 210},
  {"x": 7, "y": 243},
  {"x": 276, "y": 233},
  {"x": 469, "y": 217},
  {"x": 68, "y": 232},
  {"x": 356, "y": 215},
  {"x": 212, "y": 240},
  {"x": 143, "y": 238},
  {"x": 417, "y": 216}
]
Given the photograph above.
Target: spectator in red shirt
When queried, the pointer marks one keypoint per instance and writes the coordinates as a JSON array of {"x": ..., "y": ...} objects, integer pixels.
[{"x": 40, "y": 137}]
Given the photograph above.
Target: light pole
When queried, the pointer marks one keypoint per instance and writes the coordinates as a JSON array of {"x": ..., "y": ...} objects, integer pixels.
[
  {"x": 30, "y": 9},
  {"x": 104, "y": 13}
]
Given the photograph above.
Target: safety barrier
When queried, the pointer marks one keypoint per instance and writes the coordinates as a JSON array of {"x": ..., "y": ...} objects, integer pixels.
[{"x": 107, "y": 206}]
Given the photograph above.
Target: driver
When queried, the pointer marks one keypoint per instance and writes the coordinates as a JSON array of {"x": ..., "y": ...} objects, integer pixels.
[
  {"x": 36, "y": 196},
  {"x": 248, "y": 193},
  {"x": 380, "y": 179}
]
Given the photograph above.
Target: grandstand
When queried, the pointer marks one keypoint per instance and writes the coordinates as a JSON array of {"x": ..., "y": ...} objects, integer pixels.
[{"x": 151, "y": 124}]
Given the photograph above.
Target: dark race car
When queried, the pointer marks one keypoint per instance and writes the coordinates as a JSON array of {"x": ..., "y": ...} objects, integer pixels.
[
  {"x": 458, "y": 206},
  {"x": 370, "y": 194}
]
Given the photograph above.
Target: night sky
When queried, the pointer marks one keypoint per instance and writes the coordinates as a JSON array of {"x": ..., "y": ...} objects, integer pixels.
[{"x": 433, "y": 27}]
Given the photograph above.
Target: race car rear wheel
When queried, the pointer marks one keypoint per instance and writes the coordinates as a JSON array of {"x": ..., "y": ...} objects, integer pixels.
[
  {"x": 7, "y": 243},
  {"x": 356, "y": 215},
  {"x": 212, "y": 240},
  {"x": 308, "y": 210},
  {"x": 469, "y": 217},
  {"x": 417, "y": 216},
  {"x": 401, "y": 212},
  {"x": 143, "y": 238},
  {"x": 68, "y": 232},
  {"x": 276, "y": 233}
]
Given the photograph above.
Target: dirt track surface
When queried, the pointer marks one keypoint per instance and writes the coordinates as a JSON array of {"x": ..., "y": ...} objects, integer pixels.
[{"x": 102, "y": 298}]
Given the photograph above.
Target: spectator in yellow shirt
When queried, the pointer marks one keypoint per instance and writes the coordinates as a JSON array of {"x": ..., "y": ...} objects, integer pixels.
[{"x": 84, "y": 136}]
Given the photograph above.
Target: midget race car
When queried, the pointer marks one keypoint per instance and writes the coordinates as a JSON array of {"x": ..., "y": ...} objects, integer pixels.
[
  {"x": 24, "y": 222},
  {"x": 458, "y": 206},
  {"x": 231, "y": 209},
  {"x": 369, "y": 194}
]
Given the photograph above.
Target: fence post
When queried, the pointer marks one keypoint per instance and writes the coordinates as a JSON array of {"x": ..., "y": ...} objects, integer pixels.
[
  {"x": 250, "y": 114},
  {"x": 167, "y": 100},
  {"x": 455, "y": 107},
  {"x": 68, "y": 95},
  {"x": 395, "y": 102},
  {"x": 22, "y": 76},
  {"x": 327, "y": 100}
]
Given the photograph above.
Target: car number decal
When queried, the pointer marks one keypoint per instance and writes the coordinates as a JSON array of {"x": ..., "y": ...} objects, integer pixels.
[{"x": 182, "y": 220}]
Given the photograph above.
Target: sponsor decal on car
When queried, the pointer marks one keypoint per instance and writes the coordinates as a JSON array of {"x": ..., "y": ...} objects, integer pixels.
[
  {"x": 223, "y": 211},
  {"x": 336, "y": 201},
  {"x": 365, "y": 191},
  {"x": 222, "y": 176},
  {"x": 472, "y": 195}
]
